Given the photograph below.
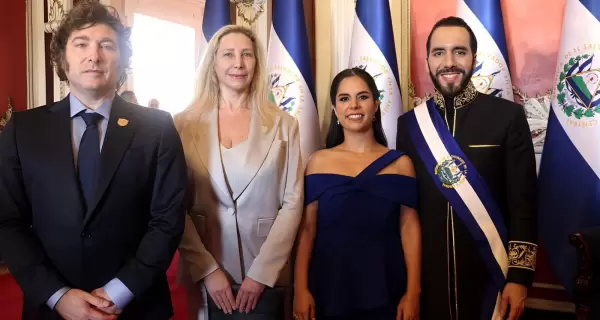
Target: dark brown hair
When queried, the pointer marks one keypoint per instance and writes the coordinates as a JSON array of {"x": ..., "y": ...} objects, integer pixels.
[
  {"x": 335, "y": 135},
  {"x": 86, "y": 14},
  {"x": 453, "y": 22}
]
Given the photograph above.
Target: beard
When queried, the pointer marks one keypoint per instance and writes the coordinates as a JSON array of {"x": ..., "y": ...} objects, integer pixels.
[{"x": 451, "y": 90}]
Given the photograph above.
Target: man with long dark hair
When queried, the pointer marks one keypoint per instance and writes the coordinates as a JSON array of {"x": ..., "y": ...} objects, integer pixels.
[
  {"x": 91, "y": 187},
  {"x": 475, "y": 165}
]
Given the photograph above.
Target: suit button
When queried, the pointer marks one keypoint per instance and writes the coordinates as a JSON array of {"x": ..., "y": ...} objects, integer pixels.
[
  {"x": 231, "y": 211},
  {"x": 86, "y": 235}
]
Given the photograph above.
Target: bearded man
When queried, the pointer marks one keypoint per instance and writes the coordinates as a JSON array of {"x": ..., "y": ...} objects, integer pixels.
[{"x": 476, "y": 170}]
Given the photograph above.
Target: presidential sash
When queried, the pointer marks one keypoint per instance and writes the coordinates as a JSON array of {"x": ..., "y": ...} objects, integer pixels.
[{"x": 460, "y": 183}]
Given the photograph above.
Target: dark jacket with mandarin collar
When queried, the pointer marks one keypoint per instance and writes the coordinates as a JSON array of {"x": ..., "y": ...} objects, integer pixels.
[{"x": 495, "y": 136}]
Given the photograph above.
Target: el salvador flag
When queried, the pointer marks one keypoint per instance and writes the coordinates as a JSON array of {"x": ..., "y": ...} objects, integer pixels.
[
  {"x": 373, "y": 50},
  {"x": 290, "y": 69},
  {"x": 216, "y": 16},
  {"x": 569, "y": 178},
  {"x": 491, "y": 73}
]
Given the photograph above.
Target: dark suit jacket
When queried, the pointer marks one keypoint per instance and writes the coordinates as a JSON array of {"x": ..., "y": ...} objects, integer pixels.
[{"x": 130, "y": 231}]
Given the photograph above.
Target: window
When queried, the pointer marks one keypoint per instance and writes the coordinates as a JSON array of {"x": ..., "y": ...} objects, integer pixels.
[{"x": 163, "y": 62}]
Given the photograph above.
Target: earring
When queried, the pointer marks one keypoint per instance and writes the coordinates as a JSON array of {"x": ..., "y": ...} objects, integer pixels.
[
  {"x": 374, "y": 118},
  {"x": 338, "y": 122}
]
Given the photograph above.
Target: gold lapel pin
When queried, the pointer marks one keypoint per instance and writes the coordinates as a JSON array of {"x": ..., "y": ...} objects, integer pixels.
[{"x": 122, "y": 122}]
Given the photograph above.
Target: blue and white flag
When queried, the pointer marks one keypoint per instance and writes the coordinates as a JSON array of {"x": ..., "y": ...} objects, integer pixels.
[
  {"x": 290, "y": 69},
  {"x": 491, "y": 73},
  {"x": 374, "y": 51},
  {"x": 569, "y": 177},
  {"x": 216, "y": 16}
]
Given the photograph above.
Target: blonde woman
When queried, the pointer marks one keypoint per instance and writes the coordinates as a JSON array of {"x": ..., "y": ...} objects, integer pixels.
[{"x": 246, "y": 183}]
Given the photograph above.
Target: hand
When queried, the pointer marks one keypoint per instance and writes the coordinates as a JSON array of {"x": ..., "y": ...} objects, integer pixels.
[
  {"x": 248, "y": 296},
  {"x": 304, "y": 305},
  {"x": 409, "y": 307},
  {"x": 514, "y": 294},
  {"x": 80, "y": 305},
  {"x": 112, "y": 309},
  {"x": 219, "y": 289}
]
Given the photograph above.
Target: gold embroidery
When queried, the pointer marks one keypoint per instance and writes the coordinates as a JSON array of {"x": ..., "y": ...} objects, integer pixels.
[
  {"x": 522, "y": 255},
  {"x": 462, "y": 99}
]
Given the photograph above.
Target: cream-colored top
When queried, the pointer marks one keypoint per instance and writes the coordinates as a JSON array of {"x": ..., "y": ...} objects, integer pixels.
[{"x": 233, "y": 161}]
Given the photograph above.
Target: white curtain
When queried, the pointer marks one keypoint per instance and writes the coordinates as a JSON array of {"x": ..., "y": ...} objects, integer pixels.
[{"x": 341, "y": 19}]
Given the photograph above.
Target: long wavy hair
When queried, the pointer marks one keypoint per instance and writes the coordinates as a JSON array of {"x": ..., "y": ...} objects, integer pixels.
[
  {"x": 335, "y": 135},
  {"x": 207, "y": 90}
]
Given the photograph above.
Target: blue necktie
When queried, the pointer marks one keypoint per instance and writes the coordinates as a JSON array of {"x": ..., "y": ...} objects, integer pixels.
[{"x": 88, "y": 161}]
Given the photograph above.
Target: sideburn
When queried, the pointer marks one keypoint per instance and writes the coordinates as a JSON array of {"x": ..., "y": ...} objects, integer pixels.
[{"x": 63, "y": 68}]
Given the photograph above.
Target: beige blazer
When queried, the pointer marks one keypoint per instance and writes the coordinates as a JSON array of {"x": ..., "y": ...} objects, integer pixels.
[{"x": 265, "y": 204}]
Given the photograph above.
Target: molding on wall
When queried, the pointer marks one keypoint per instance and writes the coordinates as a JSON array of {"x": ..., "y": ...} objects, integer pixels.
[
  {"x": 323, "y": 63},
  {"x": 36, "y": 49},
  {"x": 56, "y": 10},
  {"x": 36, "y": 56},
  {"x": 257, "y": 14},
  {"x": 402, "y": 19}
]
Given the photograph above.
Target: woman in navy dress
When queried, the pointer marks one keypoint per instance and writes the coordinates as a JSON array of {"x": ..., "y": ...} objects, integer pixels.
[{"x": 359, "y": 250}]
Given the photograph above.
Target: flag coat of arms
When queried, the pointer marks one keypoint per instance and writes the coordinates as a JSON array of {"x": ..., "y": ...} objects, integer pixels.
[
  {"x": 569, "y": 177},
  {"x": 290, "y": 72},
  {"x": 491, "y": 72},
  {"x": 373, "y": 50}
]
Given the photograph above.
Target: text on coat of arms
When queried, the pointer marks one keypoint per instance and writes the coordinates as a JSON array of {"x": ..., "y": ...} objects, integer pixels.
[
  {"x": 491, "y": 77},
  {"x": 382, "y": 76},
  {"x": 578, "y": 88}
]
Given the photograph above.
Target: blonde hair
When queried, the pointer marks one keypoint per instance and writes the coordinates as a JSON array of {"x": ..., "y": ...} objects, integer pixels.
[{"x": 207, "y": 91}]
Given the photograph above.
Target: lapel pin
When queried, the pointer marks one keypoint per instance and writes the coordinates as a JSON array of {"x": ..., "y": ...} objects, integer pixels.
[
  {"x": 264, "y": 129},
  {"x": 122, "y": 122}
]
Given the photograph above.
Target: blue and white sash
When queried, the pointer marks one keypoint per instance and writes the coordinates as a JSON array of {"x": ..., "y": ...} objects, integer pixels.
[{"x": 468, "y": 194}]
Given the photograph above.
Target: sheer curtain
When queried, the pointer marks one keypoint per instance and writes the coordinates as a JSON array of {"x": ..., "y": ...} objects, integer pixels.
[{"x": 341, "y": 20}]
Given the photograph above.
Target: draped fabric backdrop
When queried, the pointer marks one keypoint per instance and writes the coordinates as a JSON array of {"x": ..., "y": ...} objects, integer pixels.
[
  {"x": 533, "y": 32},
  {"x": 333, "y": 24}
]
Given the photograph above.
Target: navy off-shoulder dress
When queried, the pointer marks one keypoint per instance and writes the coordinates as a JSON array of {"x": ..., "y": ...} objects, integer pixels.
[{"x": 357, "y": 268}]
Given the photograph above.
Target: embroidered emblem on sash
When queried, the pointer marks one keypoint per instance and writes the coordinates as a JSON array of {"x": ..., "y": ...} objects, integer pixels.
[{"x": 451, "y": 171}]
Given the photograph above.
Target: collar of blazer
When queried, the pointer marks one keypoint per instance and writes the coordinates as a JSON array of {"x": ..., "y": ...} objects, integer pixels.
[
  {"x": 116, "y": 141},
  {"x": 260, "y": 139}
]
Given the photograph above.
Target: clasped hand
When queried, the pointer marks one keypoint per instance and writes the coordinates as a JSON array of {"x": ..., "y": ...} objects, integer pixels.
[
  {"x": 79, "y": 305},
  {"x": 219, "y": 289}
]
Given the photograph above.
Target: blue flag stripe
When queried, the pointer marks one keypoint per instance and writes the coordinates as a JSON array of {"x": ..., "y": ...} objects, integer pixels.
[
  {"x": 216, "y": 16},
  {"x": 289, "y": 24},
  {"x": 570, "y": 198},
  {"x": 375, "y": 16},
  {"x": 489, "y": 12},
  {"x": 593, "y": 6}
]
